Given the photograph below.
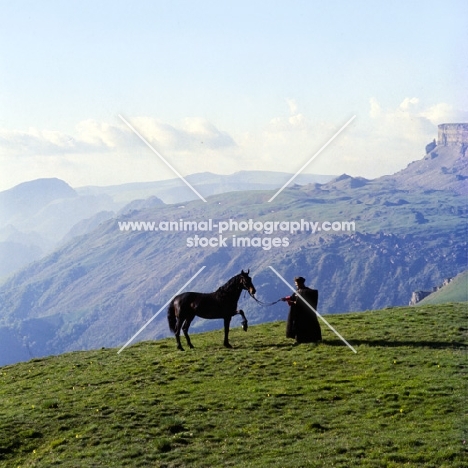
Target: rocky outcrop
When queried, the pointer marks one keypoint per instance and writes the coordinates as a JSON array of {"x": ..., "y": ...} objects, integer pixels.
[
  {"x": 453, "y": 134},
  {"x": 418, "y": 296},
  {"x": 443, "y": 167},
  {"x": 431, "y": 146}
]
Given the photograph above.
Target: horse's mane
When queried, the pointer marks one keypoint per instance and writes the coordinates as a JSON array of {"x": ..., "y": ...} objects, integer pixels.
[{"x": 226, "y": 288}]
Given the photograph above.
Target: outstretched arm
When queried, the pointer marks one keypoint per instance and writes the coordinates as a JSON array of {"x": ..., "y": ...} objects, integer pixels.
[{"x": 289, "y": 299}]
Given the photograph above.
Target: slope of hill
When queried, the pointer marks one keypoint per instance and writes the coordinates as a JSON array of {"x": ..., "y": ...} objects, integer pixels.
[
  {"x": 455, "y": 291},
  {"x": 14, "y": 255},
  {"x": 398, "y": 402},
  {"x": 442, "y": 168}
]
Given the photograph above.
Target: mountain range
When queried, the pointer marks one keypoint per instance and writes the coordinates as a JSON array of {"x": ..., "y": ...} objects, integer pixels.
[
  {"x": 105, "y": 283},
  {"x": 38, "y": 216}
]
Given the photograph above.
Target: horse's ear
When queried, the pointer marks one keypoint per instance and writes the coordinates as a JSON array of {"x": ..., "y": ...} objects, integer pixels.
[
  {"x": 242, "y": 272},
  {"x": 248, "y": 271}
]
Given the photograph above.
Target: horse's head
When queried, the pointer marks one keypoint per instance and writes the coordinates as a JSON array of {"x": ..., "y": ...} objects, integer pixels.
[{"x": 246, "y": 282}]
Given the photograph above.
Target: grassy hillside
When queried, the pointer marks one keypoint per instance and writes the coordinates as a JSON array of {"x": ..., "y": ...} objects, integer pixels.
[
  {"x": 456, "y": 291},
  {"x": 397, "y": 402}
]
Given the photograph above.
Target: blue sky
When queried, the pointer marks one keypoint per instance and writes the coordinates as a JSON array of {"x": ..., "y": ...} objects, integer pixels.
[{"x": 224, "y": 86}]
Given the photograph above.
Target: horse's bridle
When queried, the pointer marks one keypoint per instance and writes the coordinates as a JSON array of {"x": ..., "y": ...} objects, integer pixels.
[
  {"x": 244, "y": 286},
  {"x": 253, "y": 296},
  {"x": 263, "y": 303}
]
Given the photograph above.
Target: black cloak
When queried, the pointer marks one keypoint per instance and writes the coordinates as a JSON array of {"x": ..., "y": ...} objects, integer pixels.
[{"x": 303, "y": 324}]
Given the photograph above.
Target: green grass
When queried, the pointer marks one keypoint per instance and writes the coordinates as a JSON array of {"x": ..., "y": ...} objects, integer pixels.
[
  {"x": 399, "y": 401},
  {"x": 455, "y": 291}
]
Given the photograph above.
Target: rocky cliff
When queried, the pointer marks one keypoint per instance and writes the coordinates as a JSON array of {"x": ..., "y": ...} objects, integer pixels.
[
  {"x": 444, "y": 166},
  {"x": 453, "y": 134}
]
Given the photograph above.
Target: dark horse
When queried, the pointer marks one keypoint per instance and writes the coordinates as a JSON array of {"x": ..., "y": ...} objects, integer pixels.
[{"x": 221, "y": 304}]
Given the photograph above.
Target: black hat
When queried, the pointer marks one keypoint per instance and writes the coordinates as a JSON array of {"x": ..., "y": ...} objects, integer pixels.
[{"x": 299, "y": 279}]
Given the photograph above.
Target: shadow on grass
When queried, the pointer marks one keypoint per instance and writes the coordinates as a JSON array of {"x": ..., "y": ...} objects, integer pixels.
[{"x": 398, "y": 344}]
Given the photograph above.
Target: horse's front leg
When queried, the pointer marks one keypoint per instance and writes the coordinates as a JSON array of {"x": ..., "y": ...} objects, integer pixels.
[
  {"x": 227, "y": 322},
  {"x": 245, "y": 323}
]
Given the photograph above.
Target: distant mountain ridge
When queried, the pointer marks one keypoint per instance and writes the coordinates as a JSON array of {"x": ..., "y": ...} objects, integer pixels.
[
  {"x": 206, "y": 183},
  {"x": 28, "y": 198},
  {"x": 37, "y": 216}
]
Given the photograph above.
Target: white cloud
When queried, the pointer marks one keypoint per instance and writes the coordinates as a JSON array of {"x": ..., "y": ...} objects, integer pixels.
[
  {"x": 408, "y": 103},
  {"x": 375, "y": 108},
  {"x": 189, "y": 136},
  {"x": 100, "y": 153},
  {"x": 93, "y": 136},
  {"x": 35, "y": 141},
  {"x": 444, "y": 113},
  {"x": 101, "y": 134},
  {"x": 292, "y": 104},
  {"x": 406, "y": 122},
  {"x": 285, "y": 143},
  {"x": 382, "y": 141},
  {"x": 393, "y": 136},
  {"x": 204, "y": 132}
]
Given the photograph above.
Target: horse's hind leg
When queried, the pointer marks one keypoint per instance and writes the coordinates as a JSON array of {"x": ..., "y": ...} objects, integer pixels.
[
  {"x": 177, "y": 333},
  {"x": 185, "y": 328}
]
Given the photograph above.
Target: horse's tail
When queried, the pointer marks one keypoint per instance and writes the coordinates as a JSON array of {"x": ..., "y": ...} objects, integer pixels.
[{"x": 171, "y": 316}]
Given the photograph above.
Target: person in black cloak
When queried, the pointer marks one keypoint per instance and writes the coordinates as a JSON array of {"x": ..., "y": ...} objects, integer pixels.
[{"x": 303, "y": 324}]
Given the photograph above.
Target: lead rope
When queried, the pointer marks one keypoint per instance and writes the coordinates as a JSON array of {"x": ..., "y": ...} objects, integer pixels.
[{"x": 266, "y": 304}]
